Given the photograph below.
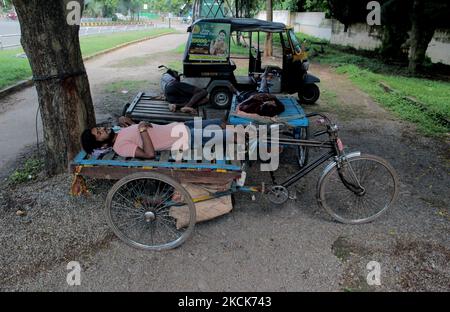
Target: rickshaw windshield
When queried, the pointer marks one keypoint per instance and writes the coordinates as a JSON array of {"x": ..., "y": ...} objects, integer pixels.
[{"x": 295, "y": 42}]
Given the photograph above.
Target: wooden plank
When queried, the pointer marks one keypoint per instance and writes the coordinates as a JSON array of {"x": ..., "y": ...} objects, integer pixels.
[
  {"x": 198, "y": 176},
  {"x": 121, "y": 162}
]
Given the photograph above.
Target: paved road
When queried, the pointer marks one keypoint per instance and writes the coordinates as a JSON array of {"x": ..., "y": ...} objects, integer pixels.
[
  {"x": 17, "y": 121},
  {"x": 8, "y": 27}
]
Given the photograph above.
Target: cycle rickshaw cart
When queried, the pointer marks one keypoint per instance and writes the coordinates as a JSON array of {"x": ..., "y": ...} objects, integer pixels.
[{"x": 143, "y": 206}]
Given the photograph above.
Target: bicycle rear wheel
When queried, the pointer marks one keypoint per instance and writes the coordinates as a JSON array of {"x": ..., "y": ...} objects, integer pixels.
[
  {"x": 150, "y": 211},
  {"x": 361, "y": 190}
]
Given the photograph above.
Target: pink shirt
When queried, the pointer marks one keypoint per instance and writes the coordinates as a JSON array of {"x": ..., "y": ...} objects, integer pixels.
[{"x": 173, "y": 136}]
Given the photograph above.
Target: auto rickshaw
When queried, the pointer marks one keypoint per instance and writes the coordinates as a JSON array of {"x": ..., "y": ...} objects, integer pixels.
[{"x": 207, "y": 62}]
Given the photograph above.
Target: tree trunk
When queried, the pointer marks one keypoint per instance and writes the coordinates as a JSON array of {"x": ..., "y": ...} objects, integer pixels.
[
  {"x": 422, "y": 32},
  {"x": 53, "y": 50},
  {"x": 268, "y": 44}
]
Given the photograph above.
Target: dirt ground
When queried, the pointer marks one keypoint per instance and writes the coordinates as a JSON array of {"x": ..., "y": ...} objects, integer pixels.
[{"x": 259, "y": 246}]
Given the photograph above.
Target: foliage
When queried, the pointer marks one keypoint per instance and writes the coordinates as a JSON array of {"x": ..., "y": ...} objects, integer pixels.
[
  {"x": 27, "y": 172},
  {"x": 100, "y": 8},
  {"x": 348, "y": 11},
  {"x": 419, "y": 18},
  {"x": 107, "y": 8},
  {"x": 302, "y": 5},
  {"x": 173, "y": 6}
]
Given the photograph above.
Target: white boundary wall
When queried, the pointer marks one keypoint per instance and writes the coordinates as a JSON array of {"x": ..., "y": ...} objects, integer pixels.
[{"x": 359, "y": 36}]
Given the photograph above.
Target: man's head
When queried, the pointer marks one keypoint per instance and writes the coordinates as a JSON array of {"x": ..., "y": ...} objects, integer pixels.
[
  {"x": 97, "y": 137},
  {"x": 271, "y": 108}
]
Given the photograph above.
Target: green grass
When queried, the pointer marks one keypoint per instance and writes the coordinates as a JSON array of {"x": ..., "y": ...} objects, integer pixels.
[
  {"x": 434, "y": 94},
  {"x": 128, "y": 85},
  {"x": 27, "y": 172},
  {"x": 367, "y": 71},
  {"x": 94, "y": 44},
  {"x": 14, "y": 69},
  {"x": 180, "y": 48}
]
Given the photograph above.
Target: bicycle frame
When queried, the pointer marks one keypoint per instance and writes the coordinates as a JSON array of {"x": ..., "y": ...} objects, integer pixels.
[{"x": 333, "y": 144}]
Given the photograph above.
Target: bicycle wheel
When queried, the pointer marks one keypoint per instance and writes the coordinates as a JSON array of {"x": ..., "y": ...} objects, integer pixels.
[
  {"x": 302, "y": 151},
  {"x": 361, "y": 190},
  {"x": 150, "y": 211}
]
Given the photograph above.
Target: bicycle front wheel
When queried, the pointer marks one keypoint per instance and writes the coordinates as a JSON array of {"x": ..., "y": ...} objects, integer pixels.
[{"x": 361, "y": 190}]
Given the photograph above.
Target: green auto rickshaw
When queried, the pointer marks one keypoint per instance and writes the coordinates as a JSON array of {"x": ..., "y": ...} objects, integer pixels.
[{"x": 207, "y": 62}]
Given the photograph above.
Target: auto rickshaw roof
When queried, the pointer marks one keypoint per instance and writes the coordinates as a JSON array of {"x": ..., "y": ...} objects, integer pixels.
[{"x": 244, "y": 24}]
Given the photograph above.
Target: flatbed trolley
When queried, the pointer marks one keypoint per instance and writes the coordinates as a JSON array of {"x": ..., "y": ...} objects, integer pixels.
[{"x": 151, "y": 108}]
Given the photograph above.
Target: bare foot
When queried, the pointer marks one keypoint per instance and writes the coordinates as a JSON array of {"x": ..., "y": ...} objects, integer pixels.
[
  {"x": 172, "y": 108},
  {"x": 189, "y": 110}
]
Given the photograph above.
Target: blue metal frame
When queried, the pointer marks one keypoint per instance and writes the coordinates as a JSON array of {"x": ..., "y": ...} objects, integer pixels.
[{"x": 221, "y": 165}]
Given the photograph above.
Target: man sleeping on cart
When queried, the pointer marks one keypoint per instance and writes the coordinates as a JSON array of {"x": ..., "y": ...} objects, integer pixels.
[{"x": 144, "y": 139}]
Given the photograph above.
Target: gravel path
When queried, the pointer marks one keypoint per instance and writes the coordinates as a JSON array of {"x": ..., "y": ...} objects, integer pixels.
[{"x": 257, "y": 247}]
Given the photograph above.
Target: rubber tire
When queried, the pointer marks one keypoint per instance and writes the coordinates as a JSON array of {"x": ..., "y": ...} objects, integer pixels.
[
  {"x": 216, "y": 92},
  {"x": 156, "y": 176},
  {"x": 322, "y": 200},
  {"x": 304, "y": 136},
  {"x": 314, "y": 94}
]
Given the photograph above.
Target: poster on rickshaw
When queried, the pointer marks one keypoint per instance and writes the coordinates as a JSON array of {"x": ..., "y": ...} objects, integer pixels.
[{"x": 210, "y": 42}]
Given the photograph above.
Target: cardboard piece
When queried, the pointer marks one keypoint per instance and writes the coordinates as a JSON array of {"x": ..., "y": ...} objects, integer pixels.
[{"x": 205, "y": 210}]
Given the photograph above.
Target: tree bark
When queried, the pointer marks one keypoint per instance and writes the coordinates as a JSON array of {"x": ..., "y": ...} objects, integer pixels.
[
  {"x": 53, "y": 50},
  {"x": 268, "y": 48},
  {"x": 422, "y": 32}
]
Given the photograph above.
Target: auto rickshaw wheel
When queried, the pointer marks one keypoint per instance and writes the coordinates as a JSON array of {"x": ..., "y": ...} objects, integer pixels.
[
  {"x": 221, "y": 98},
  {"x": 309, "y": 94}
]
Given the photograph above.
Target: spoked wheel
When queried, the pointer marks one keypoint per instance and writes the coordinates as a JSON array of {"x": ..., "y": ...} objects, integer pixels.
[
  {"x": 361, "y": 190},
  {"x": 302, "y": 151},
  {"x": 150, "y": 211}
]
